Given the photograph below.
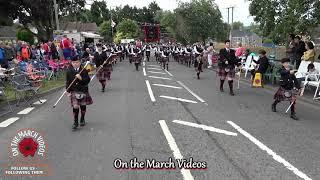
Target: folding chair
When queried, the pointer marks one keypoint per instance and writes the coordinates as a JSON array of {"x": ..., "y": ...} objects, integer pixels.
[
  {"x": 23, "y": 87},
  {"x": 315, "y": 82}
]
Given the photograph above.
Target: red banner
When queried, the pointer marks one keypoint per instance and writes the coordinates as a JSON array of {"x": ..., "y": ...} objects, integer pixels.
[{"x": 151, "y": 33}]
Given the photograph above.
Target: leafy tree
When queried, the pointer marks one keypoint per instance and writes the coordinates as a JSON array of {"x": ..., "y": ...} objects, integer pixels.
[
  {"x": 237, "y": 26},
  {"x": 105, "y": 30},
  {"x": 129, "y": 28},
  {"x": 99, "y": 12},
  {"x": 25, "y": 35}
]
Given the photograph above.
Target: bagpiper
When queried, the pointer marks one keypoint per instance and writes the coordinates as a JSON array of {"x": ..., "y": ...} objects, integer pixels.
[
  {"x": 148, "y": 50},
  {"x": 227, "y": 63},
  {"x": 99, "y": 58},
  {"x": 136, "y": 56},
  {"x": 165, "y": 58},
  {"x": 289, "y": 88},
  {"x": 199, "y": 59},
  {"x": 78, "y": 91}
]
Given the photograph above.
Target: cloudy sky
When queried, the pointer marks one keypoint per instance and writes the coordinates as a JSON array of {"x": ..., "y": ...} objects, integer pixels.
[{"x": 241, "y": 11}]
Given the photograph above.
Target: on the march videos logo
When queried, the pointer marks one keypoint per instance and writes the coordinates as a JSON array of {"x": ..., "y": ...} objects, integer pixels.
[{"x": 27, "y": 152}]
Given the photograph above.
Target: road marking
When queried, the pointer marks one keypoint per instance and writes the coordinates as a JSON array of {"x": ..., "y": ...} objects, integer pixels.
[
  {"x": 168, "y": 72},
  {"x": 144, "y": 72},
  {"x": 143, "y": 63},
  {"x": 174, "y": 147},
  {"x": 168, "y": 86},
  {"x": 42, "y": 101},
  {"x": 204, "y": 127},
  {"x": 9, "y": 121},
  {"x": 269, "y": 151},
  {"x": 156, "y": 69},
  {"x": 26, "y": 111},
  {"x": 179, "y": 99},
  {"x": 150, "y": 91},
  {"x": 156, "y": 72},
  {"x": 154, "y": 66},
  {"x": 191, "y": 92},
  {"x": 156, "y": 77}
]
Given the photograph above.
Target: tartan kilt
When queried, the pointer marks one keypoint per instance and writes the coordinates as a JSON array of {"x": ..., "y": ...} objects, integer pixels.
[
  {"x": 87, "y": 100},
  {"x": 279, "y": 96},
  {"x": 222, "y": 73},
  {"x": 102, "y": 75}
]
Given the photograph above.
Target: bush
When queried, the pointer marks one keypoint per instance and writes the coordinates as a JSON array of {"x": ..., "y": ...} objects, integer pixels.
[{"x": 25, "y": 35}]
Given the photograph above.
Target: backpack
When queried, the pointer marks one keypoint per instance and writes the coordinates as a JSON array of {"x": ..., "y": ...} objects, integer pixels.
[{"x": 25, "y": 53}]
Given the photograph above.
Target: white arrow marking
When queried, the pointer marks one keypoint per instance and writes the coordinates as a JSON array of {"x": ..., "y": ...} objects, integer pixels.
[
  {"x": 154, "y": 66},
  {"x": 156, "y": 77},
  {"x": 156, "y": 72},
  {"x": 204, "y": 127}
]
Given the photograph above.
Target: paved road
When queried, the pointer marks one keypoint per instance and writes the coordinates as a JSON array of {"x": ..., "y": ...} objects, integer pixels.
[{"x": 238, "y": 137}]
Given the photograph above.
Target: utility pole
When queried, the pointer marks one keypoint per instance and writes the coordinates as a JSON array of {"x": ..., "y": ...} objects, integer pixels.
[
  {"x": 56, "y": 14},
  {"x": 231, "y": 25}
]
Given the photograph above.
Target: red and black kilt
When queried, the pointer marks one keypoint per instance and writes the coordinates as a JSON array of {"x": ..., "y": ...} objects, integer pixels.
[
  {"x": 279, "y": 96},
  {"x": 103, "y": 74},
  {"x": 87, "y": 100},
  {"x": 222, "y": 73}
]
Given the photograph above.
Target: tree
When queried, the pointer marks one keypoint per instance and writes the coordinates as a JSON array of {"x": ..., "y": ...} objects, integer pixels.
[
  {"x": 25, "y": 35},
  {"x": 279, "y": 18},
  {"x": 105, "y": 30},
  {"x": 99, "y": 12},
  {"x": 237, "y": 26},
  {"x": 129, "y": 28}
]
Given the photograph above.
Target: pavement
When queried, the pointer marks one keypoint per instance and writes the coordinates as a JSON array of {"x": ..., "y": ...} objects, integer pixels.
[{"x": 157, "y": 114}]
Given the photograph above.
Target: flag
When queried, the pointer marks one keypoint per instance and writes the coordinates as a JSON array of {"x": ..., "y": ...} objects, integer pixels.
[{"x": 113, "y": 24}]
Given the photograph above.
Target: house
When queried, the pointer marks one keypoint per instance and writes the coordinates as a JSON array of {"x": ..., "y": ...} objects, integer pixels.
[
  {"x": 8, "y": 33},
  {"x": 246, "y": 37},
  {"x": 79, "y": 32}
]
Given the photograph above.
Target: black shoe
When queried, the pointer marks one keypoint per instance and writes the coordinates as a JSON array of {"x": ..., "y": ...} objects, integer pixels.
[
  {"x": 82, "y": 123},
  {"x": 294, "y": 117},
  {"x": 75, "y": 126},
  {"x": 273, "y": 108},
  {"x": 232, "y": 93},
  {"x": 221, "y": 89}
]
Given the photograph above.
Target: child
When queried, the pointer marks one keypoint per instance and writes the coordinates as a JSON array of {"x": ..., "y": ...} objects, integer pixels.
[
  {"x": 312, "y": 72},
  {"x": 79, "y": 91},
  {"x": 288, "y": 86}
]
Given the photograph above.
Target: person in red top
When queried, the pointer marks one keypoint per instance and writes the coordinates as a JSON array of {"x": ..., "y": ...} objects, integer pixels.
[
  {"x": 65, "y": 45},
  {"x": 47, "y": 50}
]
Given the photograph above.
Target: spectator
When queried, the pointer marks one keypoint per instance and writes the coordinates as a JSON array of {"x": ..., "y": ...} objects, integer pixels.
[
  {"x": 310, "y": 54},
  {"x": 290, "y": 48},
  {"x": 210, "y": 52},
  {"x": 262, "y": 65},
  {"x": 54, "y": 51},
  {"x": 66, "y": 45},
  {"x": 299, "y": 49},
  {"x": 9, "y": 51},
  {"x": 240, "y": 50},
  {"x": 2, "y": 55}
]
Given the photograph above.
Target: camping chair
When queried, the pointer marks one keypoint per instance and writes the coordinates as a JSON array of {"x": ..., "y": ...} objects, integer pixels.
[
  {"x": 248, "y": 66},
  {"x": 315, "y": 82},
  {"x": 23, "y": 87},
  {"x": 303, "y": 69},
  {"x": 3, "y": 94}
]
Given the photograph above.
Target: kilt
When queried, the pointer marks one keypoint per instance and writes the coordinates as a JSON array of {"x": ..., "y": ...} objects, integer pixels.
[
  {"x": 87, "y": 100},
  {"x": 222, "y": 73},
  {"x": 103, "y": 74},
  {"x": 279, "y": 96}
]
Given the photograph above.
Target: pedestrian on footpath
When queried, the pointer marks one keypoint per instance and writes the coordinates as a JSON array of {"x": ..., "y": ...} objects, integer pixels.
[
  {"x": 98, "y": 58},
  {"x": 227, "y": 63},
  {"x": 289, "y": 88},
  {"x": 79, "y": 90}
]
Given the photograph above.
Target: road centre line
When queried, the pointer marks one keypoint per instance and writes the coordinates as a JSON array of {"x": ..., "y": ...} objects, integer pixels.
[
  {"x": 156, "y": 72},
  {"x": 174, "y": 147},
  {"x": 26, "y": 111},
  {"x": 144, "y": 71},
  {"x": 156, "y": 77},
  {"x": 9, "y": 121},
  {"x": 204, "y": 127},
  {"x": 168, "y": 86},
  {"x": 168, "y": 73},
  {"x": 179, "y": 99},
  {"x": 191, "y": 92},
  {"x": 143, "y": 63},
  {"x": 270, "y": 152},
  {"x": 150, "y": 91},
  {"x": 156, "y": 69},
  {"x": 154, "y": 66}
]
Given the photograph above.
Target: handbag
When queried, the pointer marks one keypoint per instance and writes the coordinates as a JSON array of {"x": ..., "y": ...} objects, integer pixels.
[{"x": 79, "y": 95}]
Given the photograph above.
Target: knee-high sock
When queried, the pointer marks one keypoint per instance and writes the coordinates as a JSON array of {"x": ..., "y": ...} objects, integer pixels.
[
  {"x": 83, "y": 111},
  {"x": 76, "y": 114}
]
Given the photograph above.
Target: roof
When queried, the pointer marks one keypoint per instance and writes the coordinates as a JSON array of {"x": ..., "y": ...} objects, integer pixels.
[
  {"x": 80, "y": 27},
  {"x": 239, "y": 33},
  {"x": 8, "y": 31}
]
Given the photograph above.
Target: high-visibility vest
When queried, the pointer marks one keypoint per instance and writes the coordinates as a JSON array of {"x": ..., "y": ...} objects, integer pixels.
[{"x": 25, "y": 53}]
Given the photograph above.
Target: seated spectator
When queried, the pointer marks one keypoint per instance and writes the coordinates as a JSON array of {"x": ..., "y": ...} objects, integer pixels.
[
  {"x": 310, "y": 54},
  {"x": 312, "y": 71},
  {"x": 262, "y": 65}
]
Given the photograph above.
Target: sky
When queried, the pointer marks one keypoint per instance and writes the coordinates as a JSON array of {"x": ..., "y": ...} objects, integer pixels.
[{"x": 241, "y": 10}]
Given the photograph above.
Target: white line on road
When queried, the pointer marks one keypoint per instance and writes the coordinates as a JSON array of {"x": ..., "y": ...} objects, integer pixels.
[
  {"x": 154, "y": 66},
  {"x": 156, "y": 77},
  {"x": 174, "y": 147},
  {"x": 26, "y": 111},
  {"x": 179, "y": 99},
  {"x": 9, "y": 121},
  {"x": 143, "y": 63},
  {"x": 156, "y": 72},
  {"x": 168, "y": 86},
  {"x": 204, "y": 127},
  {"x": 269, "y": 151},
  {"x": 42, "y": 101},
  {"x": 150, "y": 91},
  {"x": 144, "y": 72},
  {"x": 168, "y": 72},
  {"x": 191, "y": 92},
  {"x": 156, "y": 69}
]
